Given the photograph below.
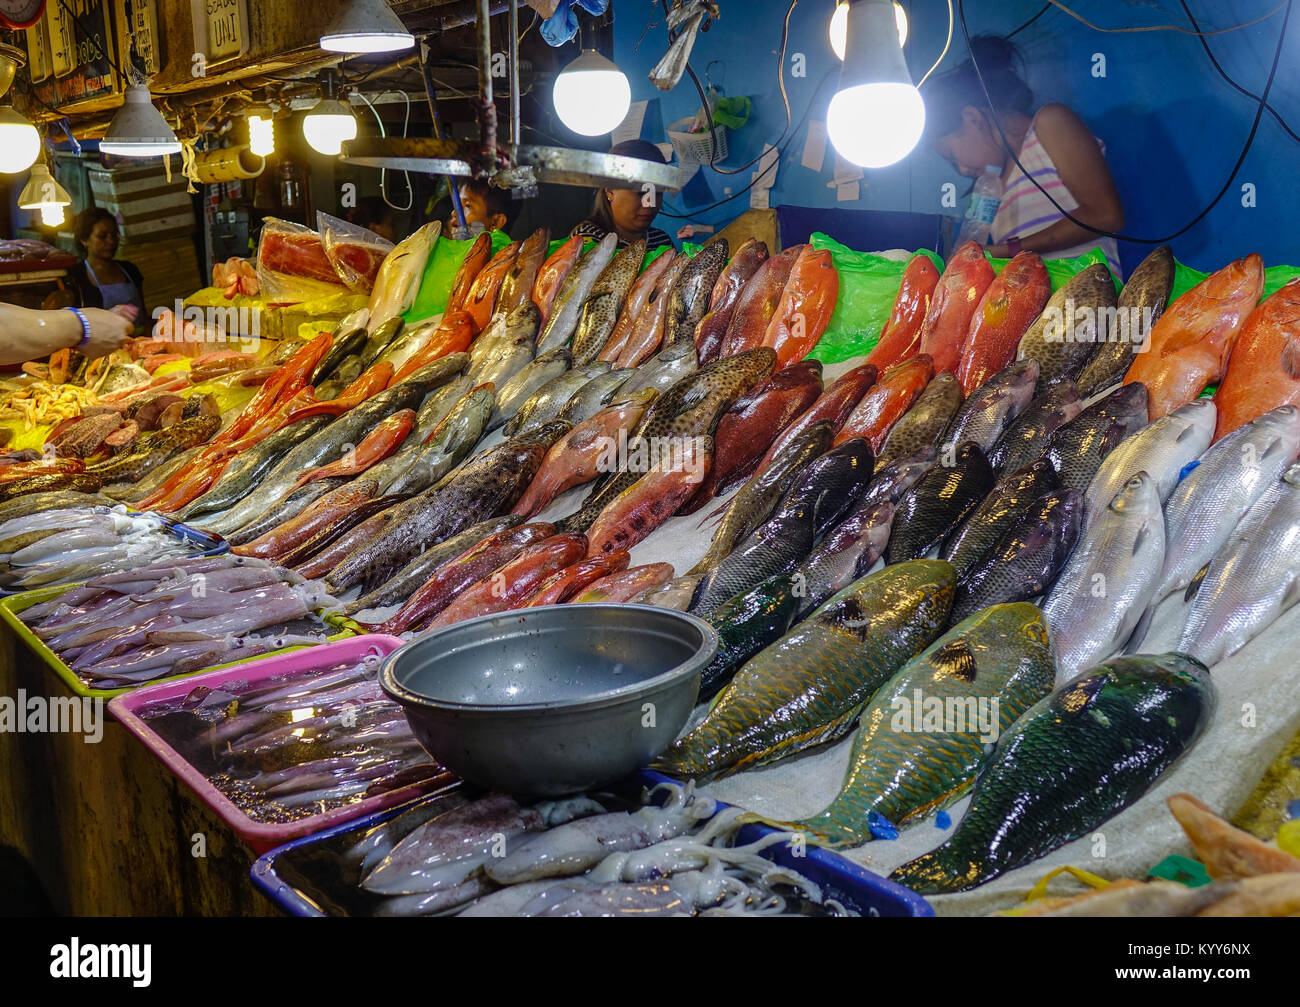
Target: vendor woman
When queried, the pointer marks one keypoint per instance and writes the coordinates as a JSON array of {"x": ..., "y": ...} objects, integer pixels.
[
  {"x": 629, "y": 211},
  {"x": 101, "y": 280},
  {"x": 1052, "y": 143}
]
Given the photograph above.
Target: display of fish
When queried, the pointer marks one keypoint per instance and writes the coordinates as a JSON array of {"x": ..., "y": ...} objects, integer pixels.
[
  {"x": 399, "y": 276},
  {"x": 665, "y": 368},
  {"x": 605, "y": 303},
  {"x": 952, "y": 306},
  {"x": 1010, "y": 497},
  {"x": 475, "y": 259},
  {"x": 991, "y": 409},
  {"x": 927, "y": 733},
  {"x": 887, "y": 401},
  {"x": 652, "y": 499},
  {"x": 545, "y": 404},
  {"x": 481, "y": 301},
  {"x": 517, "y": 287},
  {"x": 638, "y": 300},
  {"x": 513, "y": 352},
  {"x": 1024, "y": 563},
  {"x": 712, "y": 328},
  {"x": 938, "y": 503},
  {"x": 850, "y": 550},
  {"x": 1078, "y": 447},
  {"x": 448, "y": 444},
  {"x": 745, "y": 625},
  {"x": 900, "y": 337},
  {"x": 1141, "y": 303},
  {"x": 1189, "y": 346},
  {"x": 1162, "y": 450},
  {"x": 617, "y": 588},
  {"x": 835, "y": 404},
  {"x": 1073, "y": 761},
  {"x": 595, "y": 395},
  {"x": 688, "y": 298},
  {"x": 757, "y": 303},
  {"x": 553, "y": 273},
  {"x": 1075, "y": 322},
  {"x": 646, "y": 334},
  {"x": 1253, "y": 580},
  {"x": 1026, "y": 439},
  {"x": 805, "y": 307},
  {"x": 923, "y": 425},
  {"x": 519, "y": 389},
  {"x": 1100, "y": 595},
  {"x": 809, "y": 686},
  {"x": 512, "y": 583},
  {"x": 567, "y": 306},
  {"x": 1012, "y": 302},
  {"x": 1264, "y": 368}
]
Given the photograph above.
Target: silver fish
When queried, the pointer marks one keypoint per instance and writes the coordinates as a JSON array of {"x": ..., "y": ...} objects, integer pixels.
[
  {"x": 605, "y": 302},
  {"x": 1099, "y": 596},
  {"x": 595, "y": 395},
  {"x": 686, "y": 18},
  {"x": 665, "y": 368},
  {"x": 451, "y": 442},
  {"x": 546, "y": 403},
  {"x": 577, "y": 285},
  {"x": 990, "y": 410},
  {"x": 519, "y": 389}
]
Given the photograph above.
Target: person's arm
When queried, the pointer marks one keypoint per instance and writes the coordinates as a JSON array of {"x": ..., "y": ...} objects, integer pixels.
[
  {"x": 26, "y": 334},
  {"x": 1082, "y": 168}
]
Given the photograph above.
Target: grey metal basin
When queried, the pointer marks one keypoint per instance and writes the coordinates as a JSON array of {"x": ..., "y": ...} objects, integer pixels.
[{"x": 551, "y": 700}]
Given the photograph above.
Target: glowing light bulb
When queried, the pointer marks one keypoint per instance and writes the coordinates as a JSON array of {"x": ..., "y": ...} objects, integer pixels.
[
  {"x": 261, "y": 132},
  {"x": 52, "y": 214},
  {"x": 592, "y": 95},
  {"x": 327, "y": 125},
  {"x": 19, "y": 142}
]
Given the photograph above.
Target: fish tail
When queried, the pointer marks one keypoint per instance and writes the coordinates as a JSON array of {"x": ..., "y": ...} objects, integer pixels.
[{"x": 940, "y": 872}]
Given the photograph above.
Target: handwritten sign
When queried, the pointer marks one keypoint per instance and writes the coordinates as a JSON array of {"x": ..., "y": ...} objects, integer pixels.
[
  {"x": 38, "y": 51},
  {"x": 220, "y": 28},
  {"x": 137, "y": 25}
]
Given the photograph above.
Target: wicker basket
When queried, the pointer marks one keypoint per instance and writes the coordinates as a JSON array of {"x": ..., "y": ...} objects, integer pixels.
[{"x": 698, "y": 148}]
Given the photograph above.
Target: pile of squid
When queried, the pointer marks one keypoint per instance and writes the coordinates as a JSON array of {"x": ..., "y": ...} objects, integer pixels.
[
  {"x": 575, "y": 857},
  {"x": 297, "y": 745},
  {"x": 178, "y": 616}
]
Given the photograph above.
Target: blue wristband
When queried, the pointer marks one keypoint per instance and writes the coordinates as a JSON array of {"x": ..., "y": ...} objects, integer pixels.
[{"x": 85, "y": 326}]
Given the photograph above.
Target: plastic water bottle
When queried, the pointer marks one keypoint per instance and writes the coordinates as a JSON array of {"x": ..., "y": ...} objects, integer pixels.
[{"x": 984, "y": 203}]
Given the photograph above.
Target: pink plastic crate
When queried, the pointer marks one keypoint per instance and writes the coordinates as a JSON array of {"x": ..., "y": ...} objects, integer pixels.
[{"x": 261, "y": 836}]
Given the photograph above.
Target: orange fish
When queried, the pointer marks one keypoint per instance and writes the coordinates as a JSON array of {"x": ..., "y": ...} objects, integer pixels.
[
  {"x": 375, "y": 379},
  {"x": 901, "y": 336},
  {"x": 562, "y": 586},
  {"x": 315, "y": 518},
  {"x": 377, "y": 445},
  {"x": 956, "y": 296},
  {"x": 475, "y": 259},
  {"x": 1009, "y": 306},
  {"x": 638, "y": 299},
  {"x": 1264, "y": 369},
  {"x": 805, "y": 308},
  {"x": 513, "y": 583},
  {"x": 551, "y": 276},
  {"x": 481, "y": 300},
  {"x": 647, "y": 330},
  {"x": 648, "y": 502},
  {"x": 616, "y": 588},
  {"x": 1188, "y": 347},
  {"x": 454, "y": 334},
  {"x": 886, "y": 401},
  {"x": 757, "y": 303},
  {"x": 517, "y": 287}
]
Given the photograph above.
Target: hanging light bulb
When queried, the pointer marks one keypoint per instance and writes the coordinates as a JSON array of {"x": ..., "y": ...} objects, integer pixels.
[
  {"x": 877, "y": 116},
  {"x": 261, "y": 130},
  {"x": 592, "y": 95},
  {"x": 840, "y": 26},
  {"x": 44, "y": 193},
  {"x": 366, "y": 26},
  {"x": 139, "y": 129},
  {"x": 19, "y": 141},
  {"x": 52, "y": 214},
  {"x": 327, "y": 125}
]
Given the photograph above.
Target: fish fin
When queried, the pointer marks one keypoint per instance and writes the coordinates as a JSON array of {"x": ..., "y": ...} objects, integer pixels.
[
  {"x": 1274, "y": 446},
  {"x": 1143, "y": 534},
  {"x": 944, "y": 800},
  {"x": 957, "y": 659},
  {"x": 1195, "y": 585},
  {"x": 1140, "y": 630},
  {"x": 1291, "y": 358}
]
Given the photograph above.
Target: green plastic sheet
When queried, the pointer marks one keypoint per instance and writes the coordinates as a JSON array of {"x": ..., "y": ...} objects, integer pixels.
[{"x": 440, "y": 273}]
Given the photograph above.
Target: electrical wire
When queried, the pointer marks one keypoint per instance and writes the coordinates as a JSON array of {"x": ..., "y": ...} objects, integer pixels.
[
  {"x": 942, "y": 54},
  {"x": 1041, "y": 11},
  {"x": 383, "y": 172},
  {"x": 1232, "y": 83},
  {"x": 1169, "y": 27},
  {"x": 1250, "y": 139}
]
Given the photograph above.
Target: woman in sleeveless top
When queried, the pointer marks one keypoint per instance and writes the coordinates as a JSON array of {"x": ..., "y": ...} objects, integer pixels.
[
  {"x": 101, "y": 280},
  {"x": 1052, "y": 143}
]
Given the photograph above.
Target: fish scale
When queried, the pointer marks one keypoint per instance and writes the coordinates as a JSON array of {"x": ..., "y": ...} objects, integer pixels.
[
  {"x": 1010, "y": 497},
  {"x": 1063, "y": 345},
  {"x": 688, "y": 300},
  {"x": 1073, "y": 761},
  {"x": 1078, "y": 447},
  {"x": 745, "y": 625},
  {"x": 1147, "y": 290},
  {"x": 1000, "y": 655},
  {"x": 1026, "y": 439},
  {"x": 938, "y": 502},
  {"x": 993, "y": 407},
  {"x": 809, "y": 686},
  {"x": 601, "y": 309}
]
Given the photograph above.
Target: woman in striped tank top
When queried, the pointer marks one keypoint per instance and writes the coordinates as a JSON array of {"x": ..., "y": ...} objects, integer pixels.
[{"x": 1052, "y": 143}]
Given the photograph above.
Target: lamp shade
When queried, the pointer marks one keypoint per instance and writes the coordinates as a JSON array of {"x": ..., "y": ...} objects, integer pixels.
[
  {"x": 592, "y": 95},
  {"x": 42, "y": 190},
  {"x": 139, "y": 129},
  {"x": 19, "y": 141},
  {"x": 327, "y": 125},
  {"x": 877, "y": 115},
  {"x": 840, "y": 26},
  {"x": 366, "y": 26}
]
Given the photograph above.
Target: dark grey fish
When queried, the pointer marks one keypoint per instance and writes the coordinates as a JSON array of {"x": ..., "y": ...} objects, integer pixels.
[
  {"x": 1026, "y": 439},
  {"x": 1013, "y": 494},
  {"x": 848, "y": 552},
  {"x": 1141, "y": 303},
  {"x": 993, "y": 407},
  {"x": 831, "y": 487},
  {"x": 778, "y": 546},
  {"x": 595, "y": 395},
  {"x": 519, "y": 389},
  {"x": 923, "y": 425},
  {"x": 938, "y": 503},
  {"x": 688, "y": 300},
  {"x": 1078, "y": 448},
  {"x": 281, "y": 511},
  {"x": 893, "y": 480}
]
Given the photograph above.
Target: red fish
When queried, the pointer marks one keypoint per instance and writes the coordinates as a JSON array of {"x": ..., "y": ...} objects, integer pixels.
[
  {"x": 25, "y": 470},
  {"x": 757, "y": 303},
  {"x": 1188, "y": 347},
  {"x": 1009, "y": 306},
  {"x": 285, "y": 383},
  {"x": 805, "y": 308},
  {"x": 637, "y": 300},
  {"x": 835, "y": 404},
  {"x": 648, "y": 327},
  {"x": 560, "y": 587},
  {"x": 750, "y": 426},
  {"x": 481, "y": 300},
  {"x": 626, "y": 585},
  {"x": 712, "y": 328},
  {"x": 886, "y": 402},
  {"x": 458, "y": 573},
  {"x": 901, "y": 336},
  {"x": 375, "y": 379},
  {"x": 517, "y": 287},
  {"x": 649, "y": 502},
  {"x": 511, "y": 584},
  {"x": 315, "y": 518},
  {"x": 552, "y": 274},
  {"x": 956, "y": 296},
  {"x": 377, "y": 445},
  {"x": 1264, "y": 369},
  {"x": 576, "y": 458},
  {"x": 454, "y": 334},
  {"x": 475, "y": 259}
]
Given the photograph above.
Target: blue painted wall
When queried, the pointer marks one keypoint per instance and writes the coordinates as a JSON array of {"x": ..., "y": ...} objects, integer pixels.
[{"x": 1173, "y": 128}]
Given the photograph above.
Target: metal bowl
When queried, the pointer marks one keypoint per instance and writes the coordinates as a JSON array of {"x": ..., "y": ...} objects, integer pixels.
[{"x": 552, "y": 700}]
